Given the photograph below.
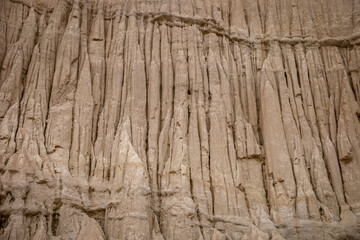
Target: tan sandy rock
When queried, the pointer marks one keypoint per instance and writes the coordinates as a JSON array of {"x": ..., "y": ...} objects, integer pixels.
[{"x": 176, "y": 119}]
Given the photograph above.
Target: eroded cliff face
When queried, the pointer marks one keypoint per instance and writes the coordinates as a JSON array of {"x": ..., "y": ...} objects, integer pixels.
[{"x": 179, "y": 119}]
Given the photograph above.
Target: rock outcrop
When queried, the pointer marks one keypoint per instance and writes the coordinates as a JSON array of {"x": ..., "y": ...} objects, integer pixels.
[{"x": 175, "y": 119}]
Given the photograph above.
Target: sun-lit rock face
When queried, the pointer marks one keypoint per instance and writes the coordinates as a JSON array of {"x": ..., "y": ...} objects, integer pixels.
[{"x": 179, "y": 119}]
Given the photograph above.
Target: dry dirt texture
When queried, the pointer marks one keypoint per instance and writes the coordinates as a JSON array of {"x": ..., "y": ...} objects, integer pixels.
[{"x": 179, "y": 119}]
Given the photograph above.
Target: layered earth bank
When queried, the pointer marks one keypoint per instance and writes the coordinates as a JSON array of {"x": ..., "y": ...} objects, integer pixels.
[{"x": 179, "y": 119}]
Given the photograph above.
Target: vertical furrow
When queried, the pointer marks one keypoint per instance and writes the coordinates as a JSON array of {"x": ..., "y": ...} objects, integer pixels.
[{"x": 60, "y": 117}]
